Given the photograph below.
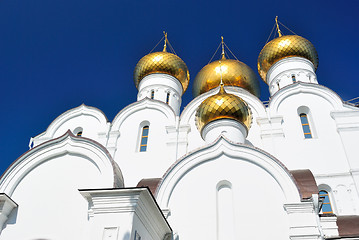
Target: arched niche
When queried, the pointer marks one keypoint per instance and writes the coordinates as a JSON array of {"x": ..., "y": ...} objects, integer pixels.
[{"x": 90, "y": 120}]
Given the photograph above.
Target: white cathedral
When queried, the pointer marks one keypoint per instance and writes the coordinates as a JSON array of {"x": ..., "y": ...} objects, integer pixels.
[{"x": 227, "y": 167}]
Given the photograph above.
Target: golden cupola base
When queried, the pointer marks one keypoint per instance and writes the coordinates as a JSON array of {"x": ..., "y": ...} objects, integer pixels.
[
  {"x": 223, "y": 106},
  {"x": 284, "y": 47},
  {"x": 162, "y": 62},
  {"x": 231, "y": 72}
]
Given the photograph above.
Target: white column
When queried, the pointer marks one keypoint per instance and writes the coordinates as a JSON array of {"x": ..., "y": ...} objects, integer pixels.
[
  {"x": 347, "y": 123},
  {"x": 303, "y": 222}
]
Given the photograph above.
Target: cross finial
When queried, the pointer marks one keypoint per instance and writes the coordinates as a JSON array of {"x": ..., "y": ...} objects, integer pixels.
[
  {"x": 165, "y": 45},
  {"x": 223, "y": 54},
  {"x": 221, "y": 89},
  {"x": 276, "y": 22}
]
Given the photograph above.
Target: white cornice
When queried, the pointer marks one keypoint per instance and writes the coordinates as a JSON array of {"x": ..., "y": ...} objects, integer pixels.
[
  {"x": 146, "y": 82},
  {"x": 135, "y": 200},
  {"x": 74, "y": 112},
  {"x": 301, "y": 87}
]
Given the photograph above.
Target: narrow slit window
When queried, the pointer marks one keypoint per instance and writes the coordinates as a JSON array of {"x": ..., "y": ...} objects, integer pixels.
[
  {"x": 326, "y": 207},
  {"x": 305, "y": 125},
  {"x": 168, "y": 98},
  {"x": 144, "y": 139},
  {"x": 152, "y": 94},
  {"x": 293, "y": 79}
]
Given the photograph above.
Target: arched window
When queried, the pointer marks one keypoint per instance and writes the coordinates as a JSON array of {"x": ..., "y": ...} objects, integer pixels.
[
  {"x": 152, "y": 94},
  {"x": 168, "y": 98},
  {"x": 326, "y": 207},
  {"x": 78, "y": 131},
  {"x": 305, "y": 125},
  {"x": 144, "y": 139}
]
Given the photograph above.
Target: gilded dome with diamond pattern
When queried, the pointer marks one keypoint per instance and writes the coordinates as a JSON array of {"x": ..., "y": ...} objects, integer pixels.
[
  {"x": 283, "y": 47},
  {"x": 162, "y": 62},
  {"x": 223, "y": 106},
  {"x": 234, "y": 73}
]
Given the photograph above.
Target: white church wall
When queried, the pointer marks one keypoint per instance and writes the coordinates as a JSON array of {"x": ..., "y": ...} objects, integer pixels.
[
  {"x": 323, "y": 153},
  {"x": 229, "y": 212},
  {"x": 342, "y": 192},
  {"x": 159, "y": 152},
  {"x": 347, "y": 125}
]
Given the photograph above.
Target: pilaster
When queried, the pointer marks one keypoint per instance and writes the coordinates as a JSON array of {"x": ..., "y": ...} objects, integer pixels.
[{"x": 302, "y": 221}]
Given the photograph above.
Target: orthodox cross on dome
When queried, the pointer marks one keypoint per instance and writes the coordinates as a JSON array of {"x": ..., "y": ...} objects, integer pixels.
[
  {"x": 220, "y": 70},
  {"x": 223, "y": 54},
  {"x": 220, "y": 62},
  {"x": 165, "y": 45},
  {"x": 278, "y": 30}
]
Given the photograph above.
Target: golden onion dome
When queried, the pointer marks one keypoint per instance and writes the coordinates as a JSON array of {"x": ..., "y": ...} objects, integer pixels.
[
  {"x": 233, "y": 73},
  {"x": 223, "y": 106},
  {"x": 162, "y": 62},
  {"x": 283, "y": 47}
]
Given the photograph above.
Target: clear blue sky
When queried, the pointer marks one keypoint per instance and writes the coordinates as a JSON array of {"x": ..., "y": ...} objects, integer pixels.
[{"x": 58, "y": 54}]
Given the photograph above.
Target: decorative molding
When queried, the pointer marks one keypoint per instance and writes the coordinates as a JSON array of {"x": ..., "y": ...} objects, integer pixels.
[
  {"x": 6, "y": 206},
  {"x": 173, "y": 83},
  {"x": 66, "y": 144},
  {"x": 346, "y": 120},
  {"x": 271, "y": 127},
  {"x": 300, "y": 207},
  {"x": 289, "y": 60},
  {"x": 329, "y": 226},
  {"x": 301, "y": 87},
  {"x": 74, "y": 112},
  {"x": 236, "y": 152}
]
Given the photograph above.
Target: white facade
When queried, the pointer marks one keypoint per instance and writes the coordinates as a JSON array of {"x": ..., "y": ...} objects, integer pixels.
[{"x": 79, "y": 179}]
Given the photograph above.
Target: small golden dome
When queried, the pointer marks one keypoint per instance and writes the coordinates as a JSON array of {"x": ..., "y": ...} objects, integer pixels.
[
  {"x": 162, "y": 62},
  {"x": 234, "y": 73},
  {"x": 283, "y": 47},
  {"x": 223, "y": 106}
]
